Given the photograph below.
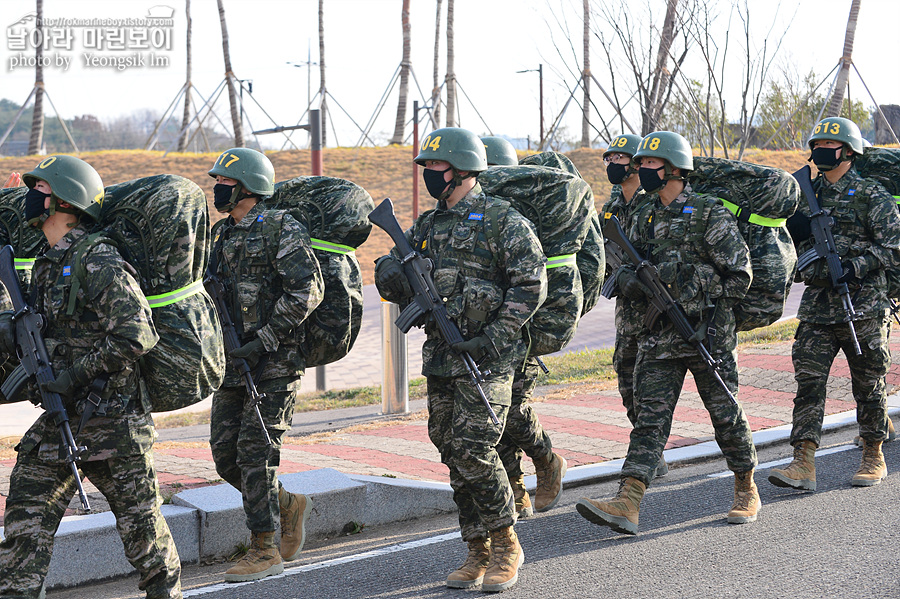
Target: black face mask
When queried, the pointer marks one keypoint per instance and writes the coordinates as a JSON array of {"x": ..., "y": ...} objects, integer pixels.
[
  {"x": 649, "y": 177},
  {"x": 434, "y": 182},
  {"x": 34, "y": 204},
  {"x": 616, "y": 173},
  {"x": 825, "y": 159},
  {"x": 222, "y": 194}
]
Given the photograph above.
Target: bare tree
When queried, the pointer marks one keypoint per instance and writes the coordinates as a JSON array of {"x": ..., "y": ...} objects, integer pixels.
[
  {"x": 186, "y": 116},
  {"x": 400, "y": 121},
  {"x": 229, "y": 78},
  {"x": 37, "y": 119},
  {"x": 323, "y": 108},
  {"x": 837, "y": 99},
  {"x": 586, "y": 78},
  {"x": 436, "y": 89},
  {"x": 653, "y": 79},
  {"x": 451, "y": 75}
]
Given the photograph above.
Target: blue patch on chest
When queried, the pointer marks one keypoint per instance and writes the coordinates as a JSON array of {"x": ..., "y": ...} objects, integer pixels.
[
  {"x": 476, "y": 216},
  {"x": 67, "y": 271},
  {"x": 851, "y": 192},
  {"x": 688, "y": 210},
  {"x": 259, "y": 218}
]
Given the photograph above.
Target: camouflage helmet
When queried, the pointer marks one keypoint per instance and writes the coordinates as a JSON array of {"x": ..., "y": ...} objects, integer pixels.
[
  {"x": 627, "y": 143},
  {"x": 667, "y": 146},
  {"x": 71, "y": 180},
  {"x": 499, "y": 152},
  {"x": 252, "y": 169},
  {"x": 839, "y": 129},
  {"x": 460, "y": 147}
]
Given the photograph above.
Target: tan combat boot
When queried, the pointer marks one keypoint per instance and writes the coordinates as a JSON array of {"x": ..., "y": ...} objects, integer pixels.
[
  {"x": 523, "y": 501},
  {"x": 471, "y": 573},
  {"x": 262, "y": 560},
  {"x": 801, "y": 472},
  {"x": 549, "y": 471},
  {"x": 295, "y": 509},
  {"x": 746, "y": 499},
  {"x": 662, "y": 468},
  {"x": 873, "y": 469},
  {"x": 620, "y": 514},
  {"x": 892, "y": 434},
  {"x": 506, "y": 558}
]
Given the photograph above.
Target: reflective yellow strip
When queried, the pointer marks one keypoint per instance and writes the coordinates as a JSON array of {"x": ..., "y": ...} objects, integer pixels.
[
  {"x": 755, "y": 218},
  {"x": 567, "y": 260},
  {"x": 327, "y": 246},
  {"x": 23, "y": 263},
  {"x": 164, "y": 299},
  {"x": 897, "y": 198}
]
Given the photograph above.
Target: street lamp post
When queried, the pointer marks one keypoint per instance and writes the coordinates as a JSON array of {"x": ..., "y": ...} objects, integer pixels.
[{"x": 540, "y": 72}]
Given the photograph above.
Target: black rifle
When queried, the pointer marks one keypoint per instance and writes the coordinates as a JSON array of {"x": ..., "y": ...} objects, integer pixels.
[
  {"x": 216, "y": 290},
  {"x": 426, "y": 300},
  {"x": 615, "y": 257},
  {"x": 32, "y": 351},
  {"x": 661, "y": 301},
  {"x": 820, "y": 223}
]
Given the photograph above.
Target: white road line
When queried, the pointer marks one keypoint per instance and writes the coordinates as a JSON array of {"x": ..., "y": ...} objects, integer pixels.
[
  {"x": 327, "y": 564},
  {"x": 767, "y": 465}
]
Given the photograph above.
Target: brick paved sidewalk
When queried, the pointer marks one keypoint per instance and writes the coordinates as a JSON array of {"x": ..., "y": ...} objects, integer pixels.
[{"x": 586, "y": 428}]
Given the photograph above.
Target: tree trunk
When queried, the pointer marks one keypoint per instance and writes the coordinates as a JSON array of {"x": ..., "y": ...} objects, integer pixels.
[
  {"x": 186, "y": 116},
  {"x": 436, "y": 90},
  {"x": 323, "y": 109},
  {"x": 37, "y": 118},
  {"x": 229, "y": 77},
  {"x": 400, "y": 122},
  {"x": 451, "y": 75},
  {"x": 660, "y": 85},
  {"x": 837, "y": 99},
  {"x": 586, "y": 79}
]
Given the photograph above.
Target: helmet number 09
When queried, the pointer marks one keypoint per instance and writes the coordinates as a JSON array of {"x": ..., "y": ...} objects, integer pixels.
[
  {"x": 620, "y": 142},
  {"x": 433, "y": 144},
  {"x": 230, "y": 162},
  {"x": 653, "y": 144}
]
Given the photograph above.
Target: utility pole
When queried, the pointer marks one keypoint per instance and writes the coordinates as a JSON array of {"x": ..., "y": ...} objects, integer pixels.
[
  {"x": 540, "y": 72},
  {"x": 309, "y": 64}
]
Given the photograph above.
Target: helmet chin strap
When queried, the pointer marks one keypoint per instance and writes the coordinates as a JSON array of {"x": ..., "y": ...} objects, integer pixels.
[{"x": 455, "y": 182}]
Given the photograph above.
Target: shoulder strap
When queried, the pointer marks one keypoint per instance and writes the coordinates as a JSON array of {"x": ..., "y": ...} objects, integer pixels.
[{"x": 80, "y": 272}]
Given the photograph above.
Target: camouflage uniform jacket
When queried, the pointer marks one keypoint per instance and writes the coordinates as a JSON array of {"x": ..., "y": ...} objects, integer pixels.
[
  {"x": 867, "y": 233},
  {"x": 273, "y": 282},
  {"x": 488, "y": 290},
  {"x": 100, "y": 325},
  {"x": 700, "y": 254},
  {"x": 629, "y": 313}
]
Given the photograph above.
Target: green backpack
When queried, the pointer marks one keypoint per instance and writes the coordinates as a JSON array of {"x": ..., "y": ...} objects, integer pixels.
[
  {"x": 336, "y": 214},
  {"x": 762, "y": 198},
  {"x": 561, "y": 207},
  {"x": 27, "y": 242},
  {"x": 160, "y": 225},
  {"x": 882, "y": 165}
]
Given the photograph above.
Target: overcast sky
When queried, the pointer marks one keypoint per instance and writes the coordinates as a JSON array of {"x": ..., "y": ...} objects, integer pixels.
[{"x": 494, "y": 39}]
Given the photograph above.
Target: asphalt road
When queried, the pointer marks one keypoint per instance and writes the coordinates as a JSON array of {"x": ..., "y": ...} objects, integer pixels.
[{"x": 840, "y": 541}]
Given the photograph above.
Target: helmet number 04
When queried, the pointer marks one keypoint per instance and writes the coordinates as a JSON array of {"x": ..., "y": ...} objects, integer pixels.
[{"x": 433, "y": 144}]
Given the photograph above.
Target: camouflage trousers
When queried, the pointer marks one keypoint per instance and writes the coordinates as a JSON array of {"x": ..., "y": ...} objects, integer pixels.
[
  {"x": 814, "y": 350},
  {"x": 523, "y": 434},
  {"x": 239, "y": 447},
  {"x": 39, "y": 493},
  {"x": 461, "y": 429},
  {"x": 624, "y": 358},
  {"x": 658, "y": 385}
]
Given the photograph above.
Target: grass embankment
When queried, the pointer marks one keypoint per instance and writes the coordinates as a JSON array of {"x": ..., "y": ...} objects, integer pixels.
[{"x": 586, "y": 369}]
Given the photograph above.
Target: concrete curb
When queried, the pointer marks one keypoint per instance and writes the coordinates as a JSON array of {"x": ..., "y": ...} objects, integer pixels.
[{"x": 209, "y": 521}]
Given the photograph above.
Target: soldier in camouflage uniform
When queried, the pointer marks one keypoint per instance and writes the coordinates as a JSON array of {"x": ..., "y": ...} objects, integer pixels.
[
  {"x": 695, "y": 244},
  {"x": 97, "y": 328},
  {"x": 866, "y": 229},
  {"x": 273, "y": 283},
  {"x": 627, "y": 197},
  {"x": 523, "y": 433},
  {"x": 490, "y": 292}
]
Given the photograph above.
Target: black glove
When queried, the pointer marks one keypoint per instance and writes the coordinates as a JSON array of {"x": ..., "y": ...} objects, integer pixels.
[
  {"x": 7, "y": 333},
  {"x": 848, "y": 274},
  {"x": 390, "y": 279},
  {"x": 630, "y": 285},
  {"x": 476, "y": 347},
  {"x": 799, "y": 227},
  {"x": 65, "y": 384},
  {"x": 251, "y": 351}
]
